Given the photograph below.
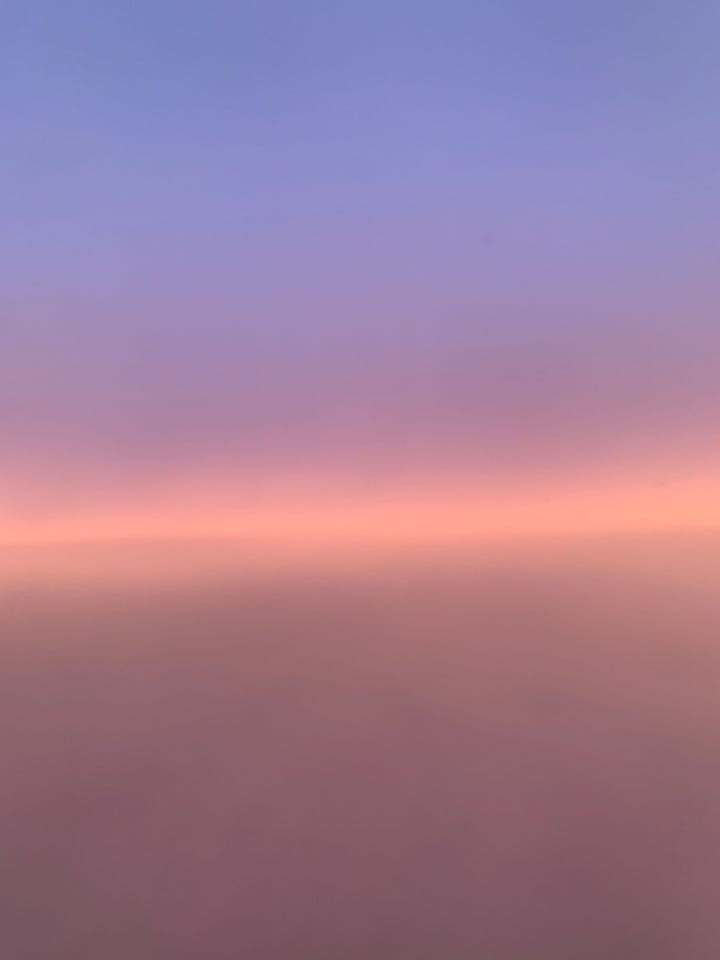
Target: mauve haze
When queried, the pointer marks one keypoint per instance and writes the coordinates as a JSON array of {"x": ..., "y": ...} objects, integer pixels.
[{"x": 513, "y": 758}]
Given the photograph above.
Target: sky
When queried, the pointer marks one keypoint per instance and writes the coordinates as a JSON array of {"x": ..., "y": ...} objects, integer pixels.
[
  {"x": 262, "y": 257},
  {"x": 288, "y": 282}
]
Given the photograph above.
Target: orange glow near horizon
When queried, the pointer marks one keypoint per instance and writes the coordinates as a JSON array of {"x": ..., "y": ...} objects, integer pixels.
[{"x": 386, "y": 515}]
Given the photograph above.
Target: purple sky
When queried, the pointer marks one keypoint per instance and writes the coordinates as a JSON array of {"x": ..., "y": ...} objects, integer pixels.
[{"x": 381, "y": 234}]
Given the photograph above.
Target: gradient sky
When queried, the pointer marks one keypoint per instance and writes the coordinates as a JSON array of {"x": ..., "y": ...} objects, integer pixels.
[{"x": 316, "y": 245}]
